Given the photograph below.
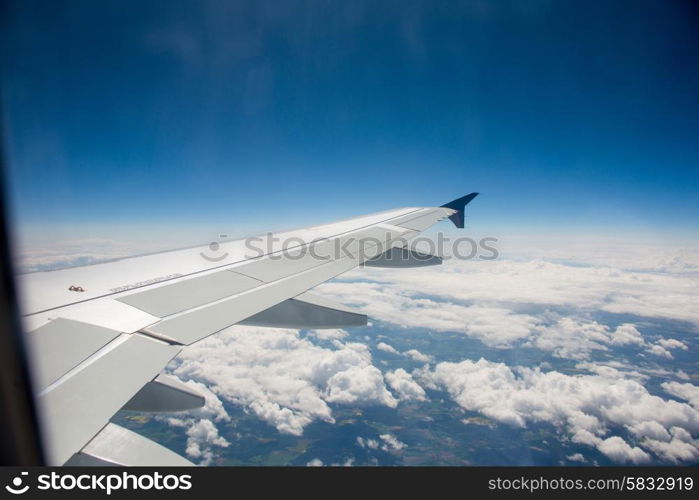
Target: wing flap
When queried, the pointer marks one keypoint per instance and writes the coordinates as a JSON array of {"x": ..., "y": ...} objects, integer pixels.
[
  {"x": 165, "y": 394},
  {"x": 60, "y": 345},
  {"x": 105, "y": 312},
  {"x": 115, "y": 445},
  {"x": 309, "y": 311},
  {"x": 81, "y": 402},
  {"x": 403, "y": 257},
  {"x": 276, "y": 267},
  {"x": 189, "y": 293},
  {"x": 195, "y": 325}
]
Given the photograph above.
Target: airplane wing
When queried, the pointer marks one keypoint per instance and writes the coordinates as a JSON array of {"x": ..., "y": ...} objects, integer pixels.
[{"x": 100, "y": 335}]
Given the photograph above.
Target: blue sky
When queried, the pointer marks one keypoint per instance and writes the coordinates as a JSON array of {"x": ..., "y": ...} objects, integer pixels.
[{"x": 564, "y": 115}]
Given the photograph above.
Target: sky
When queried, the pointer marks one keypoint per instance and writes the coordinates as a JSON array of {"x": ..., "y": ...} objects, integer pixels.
[
  {"x": 179, "y": 120},
  {"x": 166, "y": 116}
]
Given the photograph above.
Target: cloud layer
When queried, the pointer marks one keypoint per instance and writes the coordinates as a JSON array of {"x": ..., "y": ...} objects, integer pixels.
[
  {"x": 587, "y": 408},
  {"x": 284, "y": 378},
  {"x": 634, "y": 287},
  {"x": 537, "y": 303},
  {"x": 290, "y": 379}
]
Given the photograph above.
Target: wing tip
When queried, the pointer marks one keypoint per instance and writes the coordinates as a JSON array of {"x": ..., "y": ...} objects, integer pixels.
[{"x": 459, "y": 204}]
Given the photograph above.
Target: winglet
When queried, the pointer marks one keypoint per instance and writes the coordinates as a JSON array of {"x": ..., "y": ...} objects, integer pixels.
[{"x": 458, "y": 205}]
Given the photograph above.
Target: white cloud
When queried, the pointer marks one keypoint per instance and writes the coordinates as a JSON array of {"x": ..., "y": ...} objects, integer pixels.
[
  {"x": 329, "y": 334},
  {"x": 649, "y": 429},
  {"x": 494, "y": 326},
  {"x": 201, "y": 437},
  {"x": 371, "y": 444},
  {"x": 62, "y": 254},
  {"x": 576, "y": 457},
  {"x": 679, "y": 448},
  {"x": 213, "y": 407},
  {"x": 626, "y": 334},
  {"x": 349, "y": 462},
  {"x": 610, "y": 370},
  {"x": 629, "y": 369},
  {"x": 391, "y": 443},
  {"x": 626, "y": 289},
  {"x": 285, "y": 379},
  {"x": 399, "y": 298},
  {"x": 359, "y": 385},
  {"x": 659, "y": 351},
  {"x": 202, "y": 434},
  {"x": 382, "y": 346},
  {"x": 416, "y": 355},
  {"x": 673, "y": 344},
  {"x": 687, "y": 391},
  {"x": 316, "y": 462},
  {"x": 623, "y": 255},
  {"x": 620, "y": 451},
  {"x": 404, "y": 385},
  {"x": 586, "y": 406},
  {"x": 572, "y": 338}
]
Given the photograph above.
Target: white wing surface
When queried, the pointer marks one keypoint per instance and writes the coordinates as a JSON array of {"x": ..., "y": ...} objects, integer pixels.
[{"x": 100, "y": 335}]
